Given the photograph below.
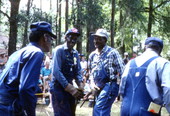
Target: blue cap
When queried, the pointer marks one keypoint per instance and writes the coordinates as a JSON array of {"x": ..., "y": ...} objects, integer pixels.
[
  {"x": 72, "y": 31},
  {"x": 42, "y": 26},
  {"x": 154, "y": 40}
]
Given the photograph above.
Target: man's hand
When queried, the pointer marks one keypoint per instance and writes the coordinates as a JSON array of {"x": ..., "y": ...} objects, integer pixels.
[
  {"x": 87, "y": 95},
  {"x": 95, "y": 90},
  {"x": 75, "y": 92}
]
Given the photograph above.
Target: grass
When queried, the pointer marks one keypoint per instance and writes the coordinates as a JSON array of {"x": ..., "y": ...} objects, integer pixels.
[{"x": 43, "y": 110}]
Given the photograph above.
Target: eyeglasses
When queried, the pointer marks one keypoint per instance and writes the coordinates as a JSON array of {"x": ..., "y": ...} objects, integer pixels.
[{"x": 72, "y": 38}]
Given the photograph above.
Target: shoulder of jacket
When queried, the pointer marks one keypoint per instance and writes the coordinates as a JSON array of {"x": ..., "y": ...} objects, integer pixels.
[
  {"x": 159, "y": 62},
  {"x": 59, "y": 48}
]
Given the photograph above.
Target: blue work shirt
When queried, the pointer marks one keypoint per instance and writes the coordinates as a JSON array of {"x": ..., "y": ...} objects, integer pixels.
[
  {"x": 19, "y": 79},
  {"x": 62, "y": 72}
]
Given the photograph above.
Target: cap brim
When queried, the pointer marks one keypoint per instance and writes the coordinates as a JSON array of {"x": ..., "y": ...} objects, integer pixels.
[
  {"x": 98, "y": 35},
  {"x": 52, "y": 35},
  {"x": 73, "y": 33}
]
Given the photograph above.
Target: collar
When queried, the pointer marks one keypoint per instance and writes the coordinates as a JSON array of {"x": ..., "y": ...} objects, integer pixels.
[
  {"x": 150, "y": 52},
  {"x": 34, "y": 44},
  {"x": 66, "y": 48},
  {"x": 105, "y": 48}
]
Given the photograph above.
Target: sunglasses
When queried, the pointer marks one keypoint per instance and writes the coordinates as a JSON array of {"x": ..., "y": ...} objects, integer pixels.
[{"x": 72, "y": 38}]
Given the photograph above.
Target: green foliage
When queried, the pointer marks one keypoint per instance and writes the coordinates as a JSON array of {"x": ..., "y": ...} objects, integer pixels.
[
  {"x": 131, "y": 20},
  {"x": 39, "y": 15},
  {"x": 91, "y": 13},
  {"x": 132, "y": 9},
  {"x": 162, "y": 16},
  {"x": 36, "y": 15}
]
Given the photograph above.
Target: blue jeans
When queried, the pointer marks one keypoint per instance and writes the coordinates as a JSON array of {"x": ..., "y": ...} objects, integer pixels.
[{"x": 105, "y": 99}]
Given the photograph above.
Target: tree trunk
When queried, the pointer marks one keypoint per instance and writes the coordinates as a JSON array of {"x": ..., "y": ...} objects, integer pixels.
[
  {"x": 88, "y": 33},
  {"x": 122, "y": 49},
  {"x": 59, "y": 24},
  {"x": 41, "y": 6},
  {"x": 50, "y": 11},
  {"x": 88, "y": 43},
  {"x": 66, "y": 16},
  {"x": 73, "y": 13},
  {"x": 112, "y": 23},
  {"x": 150, "y": 18},
  {"x": 0, "y": 14},
  {"x": 56, "y": 42},
  {"x": 79, "y": 43},
  {"x": 13, "y": 26},
  {"x": 25, "y": 40},
  {"x": 90, "y": 28}
]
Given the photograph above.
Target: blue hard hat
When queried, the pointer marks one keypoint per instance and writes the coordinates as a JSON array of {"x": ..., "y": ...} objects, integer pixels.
[
  {"x": 42, "y": 26},
  {"x": 154, "y": 40},
  {"x": 72, "y": 31}
]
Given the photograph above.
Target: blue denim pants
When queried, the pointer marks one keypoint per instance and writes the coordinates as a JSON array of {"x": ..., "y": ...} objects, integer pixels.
[
  {"x": 105, "y": 99},
  {"x": 64, "y": 104}
]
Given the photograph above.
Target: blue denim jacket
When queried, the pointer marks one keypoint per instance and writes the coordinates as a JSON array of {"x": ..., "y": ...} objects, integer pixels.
[
  {"x": 65, "y": 66},
  {"x": 18, "y": 81}
]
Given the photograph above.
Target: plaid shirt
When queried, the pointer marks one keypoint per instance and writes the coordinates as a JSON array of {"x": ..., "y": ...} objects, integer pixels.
[{"x": 112, "y": 62}]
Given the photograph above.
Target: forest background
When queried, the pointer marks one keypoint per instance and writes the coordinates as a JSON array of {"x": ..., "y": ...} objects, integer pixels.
[{"x": 129, "y": 22}]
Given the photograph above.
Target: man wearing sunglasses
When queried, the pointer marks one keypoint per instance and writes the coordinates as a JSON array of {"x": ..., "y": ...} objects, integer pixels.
[
  {"x": 65, "y": 68},
  {"x": 19, "y": 80}
]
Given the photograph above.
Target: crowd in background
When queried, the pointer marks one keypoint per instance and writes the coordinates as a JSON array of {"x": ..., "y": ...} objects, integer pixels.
[{"x": 43, "y": 88}]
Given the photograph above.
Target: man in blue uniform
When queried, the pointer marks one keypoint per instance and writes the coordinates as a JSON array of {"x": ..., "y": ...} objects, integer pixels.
[
  {"x": 65, "y": 68},
  {"x": 146, "y": 82},
  {"x": 104, "y": 65},
  {"x": 19, "y": 80}
]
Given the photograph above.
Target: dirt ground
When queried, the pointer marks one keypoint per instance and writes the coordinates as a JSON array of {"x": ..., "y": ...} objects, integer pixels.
[{"x": 44, "y": 110}]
